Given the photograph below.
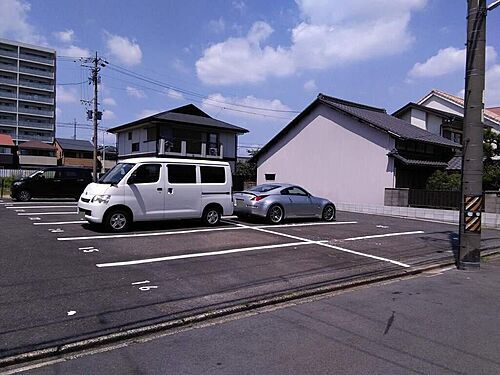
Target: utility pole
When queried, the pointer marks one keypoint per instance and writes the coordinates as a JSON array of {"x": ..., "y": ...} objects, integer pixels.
[
  {"x": 95, "y": 65},
  {"x": 472, "y": 155},
  {"x": 74, "y": 128}
]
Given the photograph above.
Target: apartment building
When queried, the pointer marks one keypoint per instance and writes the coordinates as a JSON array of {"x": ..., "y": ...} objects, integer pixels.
[{"x": 27, "y": 91}]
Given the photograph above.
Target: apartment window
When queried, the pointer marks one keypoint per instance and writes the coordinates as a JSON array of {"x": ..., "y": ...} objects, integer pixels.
[
  {"x": 146, "y": 174},
  {"x": 181, "y": 174},
  {"x": 270, "y": 176},
  {"x": 135, "y": 147},
  {"x": 129, "y": 135},
  {"x": 5, "y": 151},
  {"x": 213, "y": 175}
]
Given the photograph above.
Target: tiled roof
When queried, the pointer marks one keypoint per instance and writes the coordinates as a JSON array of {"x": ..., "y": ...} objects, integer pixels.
[
  {"x": 417, "y": 162},
  {"x": 380, "y": 119},
  {"x": 455, "y": 164},
  {"x": 188, "y": 114},
  {"x": 75, "y": 144},
  {"x": 488, "y": 113},
  {"x": 36, "y": 145},
  {"x": 6, "y": 140}
]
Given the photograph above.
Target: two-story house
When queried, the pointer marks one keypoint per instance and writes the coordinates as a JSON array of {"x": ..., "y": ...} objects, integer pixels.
[
  {"x": 184, "y": 132},
  {"x": 442, "y": 114}
]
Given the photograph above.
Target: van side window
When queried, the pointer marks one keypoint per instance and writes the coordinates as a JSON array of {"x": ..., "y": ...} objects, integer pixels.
[
  {"x": 147, "y": 173},
  {"x": 69, "y": 173},
  {"x": 213, "y": 175},
  {"x": 181, "y": 174}
]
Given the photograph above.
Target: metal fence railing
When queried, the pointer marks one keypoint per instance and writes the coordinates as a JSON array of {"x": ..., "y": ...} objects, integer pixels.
[
  {"x": 5, "y": 173},
  {"x": 434, "y": 198}
]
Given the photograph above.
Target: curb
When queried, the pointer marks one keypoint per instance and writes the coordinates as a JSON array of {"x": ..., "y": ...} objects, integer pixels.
[{"x": 218, "y": 313}]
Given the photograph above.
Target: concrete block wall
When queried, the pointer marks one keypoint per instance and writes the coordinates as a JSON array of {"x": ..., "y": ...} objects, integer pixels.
[
  {"x": 396, "y": 197},
  {"x": 489, "y": 220},
  {"x": 492, "y": 202}
]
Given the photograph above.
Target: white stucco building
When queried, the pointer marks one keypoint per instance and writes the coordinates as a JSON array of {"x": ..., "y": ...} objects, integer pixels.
[{"x": 349, "y": 152}]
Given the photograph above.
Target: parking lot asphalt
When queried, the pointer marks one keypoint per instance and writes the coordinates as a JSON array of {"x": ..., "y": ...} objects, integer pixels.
[{"x": 63, "y": 280}]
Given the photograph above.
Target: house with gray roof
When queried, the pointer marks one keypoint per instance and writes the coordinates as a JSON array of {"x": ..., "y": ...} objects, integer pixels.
[
  {"x": 350, "y": 152},
  {"x": 74, "y": 152},
  {"x": 184, "y": 132}
]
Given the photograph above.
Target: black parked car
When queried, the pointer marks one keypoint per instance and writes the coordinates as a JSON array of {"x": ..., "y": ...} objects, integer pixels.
[{"x": 53, "y": 182}]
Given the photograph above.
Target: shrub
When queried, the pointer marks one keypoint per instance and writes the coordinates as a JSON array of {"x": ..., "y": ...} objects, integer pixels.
[{"x": 440, "y": 180}]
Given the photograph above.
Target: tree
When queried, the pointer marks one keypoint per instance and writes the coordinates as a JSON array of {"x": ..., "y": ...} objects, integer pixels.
[
  {"x": 491, "y": 142},
  {"x": 248, "y": 169},
  {"x": 440, "y": 180}
]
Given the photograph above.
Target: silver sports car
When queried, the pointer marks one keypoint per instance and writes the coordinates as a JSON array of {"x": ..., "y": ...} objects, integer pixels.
[{"x": 278, "y": 202}]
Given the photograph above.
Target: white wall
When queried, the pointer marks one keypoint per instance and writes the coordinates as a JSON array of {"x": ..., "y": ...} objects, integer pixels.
[
  {"x": 335, "y": 157},
  {"x": 418, "y": 118},
  {"x": 434, "y": 124}
]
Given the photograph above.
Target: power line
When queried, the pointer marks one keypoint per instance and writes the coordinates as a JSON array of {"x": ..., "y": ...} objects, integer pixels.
[{"x": 71, "y": 83}]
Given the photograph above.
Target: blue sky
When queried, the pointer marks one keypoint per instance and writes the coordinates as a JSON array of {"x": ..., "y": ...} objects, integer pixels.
[{"x": 269, "y": 58}]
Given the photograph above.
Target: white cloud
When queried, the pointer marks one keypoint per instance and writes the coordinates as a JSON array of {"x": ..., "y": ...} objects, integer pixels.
[
  {"x": 178, "y": 65},
  {"x": 108, "y": 115},
  {"x": 66, "y": 95},
  {"x": 65, "y": 36},
  {"x": 147, "y": 113},
  {"x": 125, "y": 51},
  {"x": 74, "y": 51},
  {"x": 243, "y": 59},
  {"x": 310, "y": 85},
  {"x": 327, "y": 35},
  {"x": 447, "y": 60},
  {"x": 14, "y": 22},
  {"x": 175, "y": 94},
  {"x": 239, "y": 5},
  {"x": 238, "y": 106},
  {"x": 217, "y": 26},
  {"x": 135, "y": 92},
  {"x": 58, "y": 111},
  {"x": 492, "y": 89},
  {"x": 109, "y": 101}
]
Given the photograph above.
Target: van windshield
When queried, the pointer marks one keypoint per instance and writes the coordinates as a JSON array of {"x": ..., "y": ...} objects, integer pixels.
[{"x": 115, "y": 174}]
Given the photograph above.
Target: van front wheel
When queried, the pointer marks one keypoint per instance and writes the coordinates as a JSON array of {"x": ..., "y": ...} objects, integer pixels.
[
  {"x": 117, "y": 221},
  {"x": 211, "y": 216}
]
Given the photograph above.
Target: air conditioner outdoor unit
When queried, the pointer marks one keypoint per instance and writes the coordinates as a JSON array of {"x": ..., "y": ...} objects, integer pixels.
[{"x": 212, "y": 151}]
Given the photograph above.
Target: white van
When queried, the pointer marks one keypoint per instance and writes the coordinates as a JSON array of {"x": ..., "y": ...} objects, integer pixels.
[{"x": 145, "y": 189}]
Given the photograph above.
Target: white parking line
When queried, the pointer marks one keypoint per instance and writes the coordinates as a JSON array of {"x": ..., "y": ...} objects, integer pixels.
[
  {"x": 198, "y": 255},
  {"x": 321, "y": 243},
  {"x": 36, "y": 207},
  {"x": 127, "y": 235},
  {"x": 384, "y": 235},
  {"x": 63, "y": 222},
  {"x": 49, "y": 213}
]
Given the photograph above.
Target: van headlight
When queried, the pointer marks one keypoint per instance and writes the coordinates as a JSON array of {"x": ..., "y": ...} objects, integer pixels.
[{"x": 101, "y": 199}]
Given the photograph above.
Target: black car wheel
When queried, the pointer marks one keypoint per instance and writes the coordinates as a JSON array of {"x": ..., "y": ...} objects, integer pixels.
[
  {"x": 329, "y": 212},
  {"x": 117, "y": 221},
  {"x": 23, "y": 196},
  {"x": 275, "y": 214},
  {"x": 212, "y": 216}
]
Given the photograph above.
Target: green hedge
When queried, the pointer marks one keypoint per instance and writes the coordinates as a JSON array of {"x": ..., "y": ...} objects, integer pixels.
[{"x": 7, "y": 181}]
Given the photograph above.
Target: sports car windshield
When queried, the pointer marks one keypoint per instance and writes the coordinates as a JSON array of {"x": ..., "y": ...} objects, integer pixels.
[{"x": 115, "y": 174}]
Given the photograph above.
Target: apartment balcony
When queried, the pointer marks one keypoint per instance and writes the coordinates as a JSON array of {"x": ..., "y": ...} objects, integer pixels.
[
  {"x": 9, "y": 122},
  {"x": 8, "y": 108},
  {"x": 35, "y": 125},
  {"x": 37, "y": 85},
  {"x": 9, "y": 81},
  {"x": 8, "y": 53},
  {"x": 8, "y": 67},
  {"x": 188, "y": 148},
  {"x": 35, "y": 111},
  {"x": 8, "y": 94},
  {"x": 38, "y": 72},
  {"x": 43, "y": 60},
  {"x": 41, "y": 138},
  {"x": 36, "y": 98}
]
